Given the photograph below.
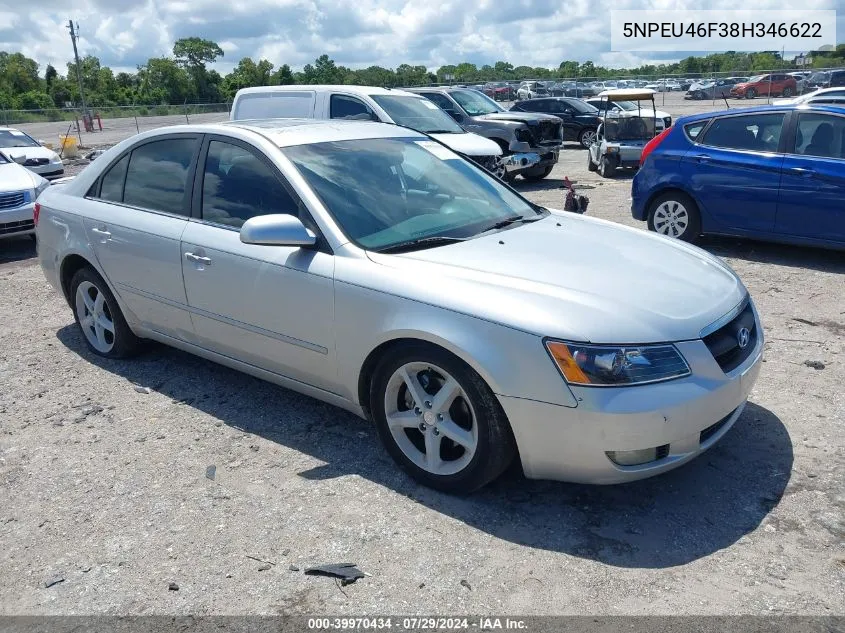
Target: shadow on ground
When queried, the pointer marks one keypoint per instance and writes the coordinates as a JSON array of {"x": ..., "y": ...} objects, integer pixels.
[
  {"x": 670, "y": 520},
  {"x": 780, "y": 254},
  {"x": 15, "y": 249}
]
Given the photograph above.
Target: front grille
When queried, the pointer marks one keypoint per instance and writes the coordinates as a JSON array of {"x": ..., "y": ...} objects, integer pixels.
[
  {"x": 724, "y": 343},
  {"x": 545, "y": 131},
  {"x": 487, "y": 162},
  {"x": 711, "y": 430},
  {"x": 35, "y": 162},
  {"x": 16, "y": 227},
  {"x": 12, "y": 200}
]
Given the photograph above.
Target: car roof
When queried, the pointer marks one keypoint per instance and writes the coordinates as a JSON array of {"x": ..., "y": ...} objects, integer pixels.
[
  {"x": 632, "y": 94},
  {"x": 290, "y": 132},
  {"x": 358, "y": 90},
  {"x": 815, "y": 107}
]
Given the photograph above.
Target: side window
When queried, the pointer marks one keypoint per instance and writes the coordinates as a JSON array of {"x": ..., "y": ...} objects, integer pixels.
[
  {"x": 237, "y": 185},
  {"x": 820, "y": 135},
  {"x": 755, "y": 132},
  {"x": 540, "y": 105},
  {"x": 837, "y": 79},
  {"x": 112, "y": 184},
  {"x": 343, "y": 107},
  {"x": 157, "y": 175},
  {"x": 440, "y": 100},
  {"x": 694, "y": 129}
]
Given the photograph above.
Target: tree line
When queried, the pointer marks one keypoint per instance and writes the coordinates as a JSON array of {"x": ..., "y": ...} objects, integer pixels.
[{"x": 184, "y": 77}]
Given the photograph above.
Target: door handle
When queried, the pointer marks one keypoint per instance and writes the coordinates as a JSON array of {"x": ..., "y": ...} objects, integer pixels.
[
  {"x": 104, "y": 235},
  {"x": 802, "y": 171},
  {"x": 702, "y": 158},
  {"x": 199, "y": 259}
]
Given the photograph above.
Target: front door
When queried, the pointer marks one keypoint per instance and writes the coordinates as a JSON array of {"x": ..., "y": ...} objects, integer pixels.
[
  {"x": 812, "y": 190},
  {"x": 134, "y": 218},
  {"x": 268, "y": 306}
]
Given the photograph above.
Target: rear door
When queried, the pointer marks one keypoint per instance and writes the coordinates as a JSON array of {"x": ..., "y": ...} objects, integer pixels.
[
  {"x": 734, "y": 172},
  {"x": 812, "y": 191},
  {"x": 134, "y": 219}
]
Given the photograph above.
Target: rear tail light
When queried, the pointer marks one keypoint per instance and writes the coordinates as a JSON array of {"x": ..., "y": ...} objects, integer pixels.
[
  {"x": 36, "y": 211},
  {"x": 652, "y": 145}
]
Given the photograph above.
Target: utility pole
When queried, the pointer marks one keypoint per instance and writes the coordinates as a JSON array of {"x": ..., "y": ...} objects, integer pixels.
[{"x": 74, "y": 33}]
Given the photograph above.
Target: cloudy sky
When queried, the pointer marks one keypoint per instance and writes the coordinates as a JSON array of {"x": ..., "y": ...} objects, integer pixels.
[{"x": 356, "y": 33}]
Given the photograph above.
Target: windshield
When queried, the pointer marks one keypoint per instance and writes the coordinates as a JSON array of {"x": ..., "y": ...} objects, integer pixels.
[
  {"x": 583, "y": 107},
  {"x": 820, "y": 77},
  {"x": 629, "y": 128},
  {"x": 756, "y": 79},
  {"x": 418, "y": 114},
  {"x": 475, "y": 103},
  {"x": 384, "y": 192},
  {"x": 16, "y": 138}
]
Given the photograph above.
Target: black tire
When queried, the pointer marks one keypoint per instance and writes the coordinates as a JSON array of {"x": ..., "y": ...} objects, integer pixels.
[
  {"x": 537, "y": 173},
  {"x": 125, "y": 343},
  {"x": 585, "y": 137},
  {"x": 496, "y": 447},
  {"x": 751, "y": 93},
  {"x": 693, "y": 229},
  {"x": 698, "y": 95},
  {"x": 787, "y": 92},
  {"x": 607, "y": 167},
  {"x": 591, "y": 166}
]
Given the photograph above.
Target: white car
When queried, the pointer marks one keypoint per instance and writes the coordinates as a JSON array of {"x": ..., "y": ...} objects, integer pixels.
[
  {"x": 825, "y": 95},
  {"x": 365, "y": 103},
  {"x": 42, "y": 160},
  {"x": 19, "y": 188},
  {"x": 530, "y": 90}
]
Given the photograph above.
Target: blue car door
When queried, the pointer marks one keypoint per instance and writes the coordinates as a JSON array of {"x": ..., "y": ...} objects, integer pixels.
[
  {"x": 812, "y": 192},
  {"x": 734, "y": 172}
]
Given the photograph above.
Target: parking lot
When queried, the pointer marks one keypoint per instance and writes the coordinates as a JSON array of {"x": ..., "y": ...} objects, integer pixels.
[{"x": 121, "y": 477}]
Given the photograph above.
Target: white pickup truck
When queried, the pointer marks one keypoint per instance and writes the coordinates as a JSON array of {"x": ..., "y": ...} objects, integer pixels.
[{"x": 366, "y": 103}]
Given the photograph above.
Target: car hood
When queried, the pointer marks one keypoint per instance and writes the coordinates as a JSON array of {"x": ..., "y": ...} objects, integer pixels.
[
  {"x": 13, "y": 177},
  {"x": 469, "y": 144},
  {"x": 520, "y": 117},
  {"x": 576, "y": 278},
  {"x": 29, "y": 152}
]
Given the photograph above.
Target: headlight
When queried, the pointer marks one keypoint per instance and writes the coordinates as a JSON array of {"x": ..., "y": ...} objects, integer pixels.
[
  {"x": 40, "y": 188},
  {"x": 614, "y": 365},
  {"x": 55, "y": 158},
  {"x": 523, "y": 136},
  {"x": 611, "y": 149}
]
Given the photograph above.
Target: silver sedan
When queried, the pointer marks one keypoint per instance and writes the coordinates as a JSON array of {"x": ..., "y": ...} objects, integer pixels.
[{"x": 370, "y": 267}]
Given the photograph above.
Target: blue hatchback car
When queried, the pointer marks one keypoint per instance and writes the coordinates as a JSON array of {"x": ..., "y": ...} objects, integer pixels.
[{"x": 771, "y": 173}]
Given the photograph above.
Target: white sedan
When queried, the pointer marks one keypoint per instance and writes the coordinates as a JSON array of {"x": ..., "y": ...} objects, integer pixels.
[{"x": 25, "y": 150}]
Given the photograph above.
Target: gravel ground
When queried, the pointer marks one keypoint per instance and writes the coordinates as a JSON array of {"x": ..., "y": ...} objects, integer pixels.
[{"x": 107, "y": 487}]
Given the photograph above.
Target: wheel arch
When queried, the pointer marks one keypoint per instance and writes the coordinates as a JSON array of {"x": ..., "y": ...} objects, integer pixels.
[
  {"x": 668, "y": 188},
  {"x": 71, "y": 264}
]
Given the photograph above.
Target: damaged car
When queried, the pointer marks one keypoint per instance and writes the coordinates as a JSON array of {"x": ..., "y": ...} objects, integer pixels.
[{"x": 530, "y": 141}]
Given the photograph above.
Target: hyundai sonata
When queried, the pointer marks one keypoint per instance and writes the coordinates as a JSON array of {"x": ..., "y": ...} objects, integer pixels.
[{"x": 369, "y": 266}]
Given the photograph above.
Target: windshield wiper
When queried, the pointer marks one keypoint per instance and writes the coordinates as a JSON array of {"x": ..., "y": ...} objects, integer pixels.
[
  {"x": 423, "y": 242},
  {"x": 444, "y": 131},
  {"x": 508, "y": 221}
]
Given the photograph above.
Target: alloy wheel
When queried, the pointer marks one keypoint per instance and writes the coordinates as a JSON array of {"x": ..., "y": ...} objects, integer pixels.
[
  {"x": 671, "y": 218},
  {"x": 587, "y": 137},
  {"x": 431, "y": 418},
  {"x": 95, "y": 318}
]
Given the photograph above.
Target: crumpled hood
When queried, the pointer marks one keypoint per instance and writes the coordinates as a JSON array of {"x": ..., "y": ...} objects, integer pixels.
[
  {"x": 520, "y": 117},
  {"x": 576, "y": 278}
]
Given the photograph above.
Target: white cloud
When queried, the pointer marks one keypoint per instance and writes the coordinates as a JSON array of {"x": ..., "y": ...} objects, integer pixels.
[{"x": 125, "y": 33}]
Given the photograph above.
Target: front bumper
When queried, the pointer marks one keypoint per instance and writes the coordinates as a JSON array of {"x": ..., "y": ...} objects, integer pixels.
[
  {"x": 518, "y": 162},
  {"x": 683, "y": 417},
  {"x": 17, "y": 221},
  {"x": 48, "y": 171}
]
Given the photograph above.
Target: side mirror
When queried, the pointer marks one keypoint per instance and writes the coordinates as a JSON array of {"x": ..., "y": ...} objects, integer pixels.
[
  {"x": 456, "y": 115},
  {"x": 276, "y": 230},
  {"x": 20, "y": 159}
]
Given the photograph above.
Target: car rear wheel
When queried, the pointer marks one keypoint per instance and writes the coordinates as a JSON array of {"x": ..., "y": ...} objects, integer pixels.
[
  {"x": 750, "y": 93},
  {"x": 99, "y": 317},
  {"x": 439, "y": 420},
  {"x": 586, "y": 137},
  {"x": 607, "y": 167},
  {"x": 538, "y": 173},
  {"x": 787, "y": 92},
  {"x": 675, "y": 215}
]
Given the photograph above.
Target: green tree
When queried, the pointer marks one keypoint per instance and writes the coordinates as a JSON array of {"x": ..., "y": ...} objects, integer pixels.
[
  {"x": 282, "y": 77},
  {"x": 18, "y": 73},
  {"x": 50, "y": 75}
]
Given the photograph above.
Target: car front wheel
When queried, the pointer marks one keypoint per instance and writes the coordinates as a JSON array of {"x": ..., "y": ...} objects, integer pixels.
[
  {"x": 591, "y": 166},
  {"x": 750, "y": 93},
  {"x": 99, "y": 317},
  {"x": 439, "y": 420},
  {"x": 607, "y": 167},
  {"x": 676, "y": 215}
]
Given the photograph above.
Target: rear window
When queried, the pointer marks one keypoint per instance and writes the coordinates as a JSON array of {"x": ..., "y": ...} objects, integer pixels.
[
  {"x": 693, "y": 130},
  {"x": 274, "y": 105}
]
